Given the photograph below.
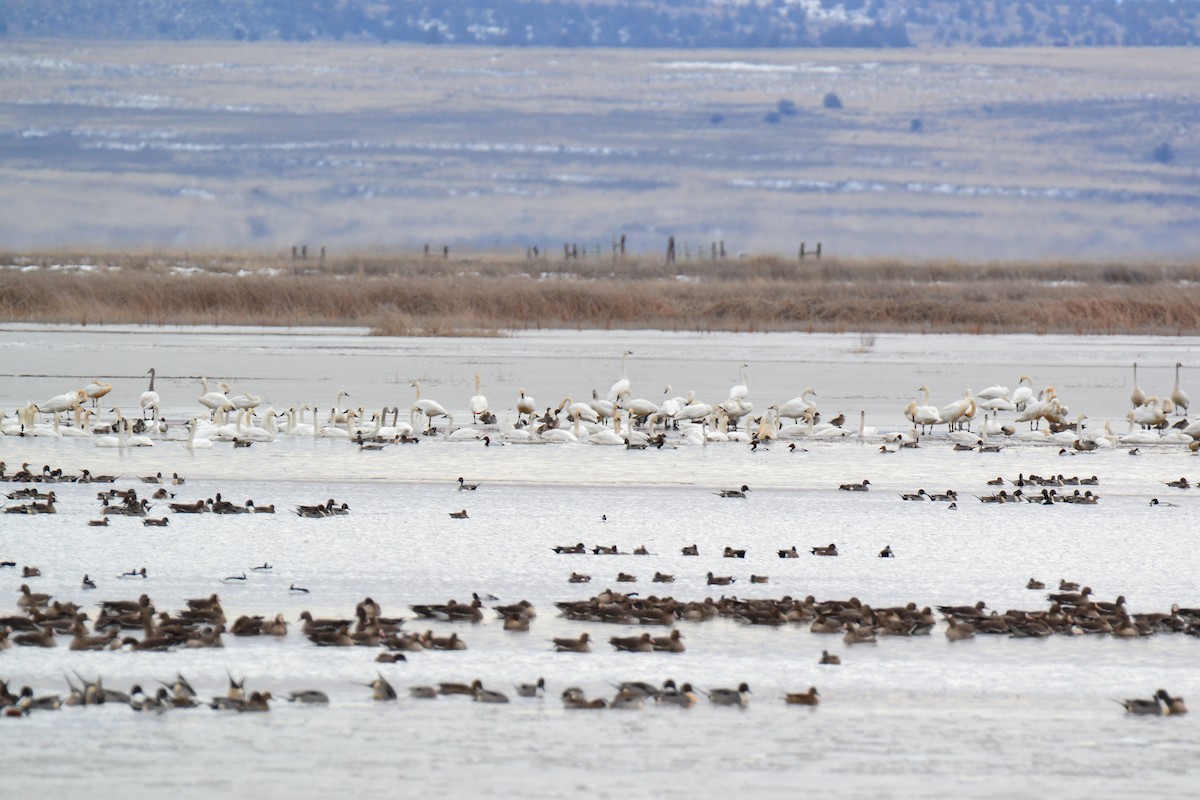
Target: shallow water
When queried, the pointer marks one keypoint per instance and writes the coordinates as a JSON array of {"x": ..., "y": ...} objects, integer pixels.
[{"x": 991, "y": 717}]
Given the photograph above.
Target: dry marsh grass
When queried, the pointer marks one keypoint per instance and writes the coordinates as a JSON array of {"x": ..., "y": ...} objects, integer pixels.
[{"x": 483, "y": 294}]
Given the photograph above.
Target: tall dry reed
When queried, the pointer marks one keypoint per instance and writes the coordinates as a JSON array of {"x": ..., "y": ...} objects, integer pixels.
[{"x": 481, "y": 295}]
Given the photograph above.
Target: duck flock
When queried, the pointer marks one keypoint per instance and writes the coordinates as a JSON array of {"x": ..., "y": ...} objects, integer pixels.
[
  {"x": 984, "y": 420},
  {"x": 975, "y": 422}
]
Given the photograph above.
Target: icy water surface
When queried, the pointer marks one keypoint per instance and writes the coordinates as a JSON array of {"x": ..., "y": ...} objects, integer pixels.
[{"x": 992, "y": 717}]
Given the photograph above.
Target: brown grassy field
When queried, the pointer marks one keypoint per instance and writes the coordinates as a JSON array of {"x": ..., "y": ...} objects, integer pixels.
[{"x": 485, "y": 294}]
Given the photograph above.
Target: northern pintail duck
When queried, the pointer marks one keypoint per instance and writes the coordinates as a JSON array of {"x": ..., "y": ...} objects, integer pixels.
[
  {"x": 483, "y": 695},
  {"x": 570, "y": 549},
  {"x": 827, "y": 658},
  {"x": 855, "y": 487},
  {"x": 381, "y": 689},
  {"x": 759, "y": 579},
  {"x": 731, "y": 697},
  {"x": 88, "y": 583},
  {"x": 858, "y": 634},
  {"x": 1151, "y": 707},
  {"x": 469, "y": 487},
  {"x": 714, "y": 580},
  {"x": 1035, "y": 584},
  {"x": 886, "y": 552},
  {"x": 574, "y": 698},
  {"x": 423, "y": 692},
  {"x": 829, "y": 550},
  {"x": 691, "y": 550},
  {"x": 731, "y": 553},
  {"x": 627, "y": 700},
  {"x": 310, "y": 696},
  {"x": 791, "y": 552},
  {"x": 151, "y": 522},
  {"x": 1174, "y": 705},
  {"x": 661, "y": 577},
  {"x": 579, "y": 577},
  {"x": 810, "y": 698},
  {"x": 460, "y": 688},
  {"x": 624, "y": 577},
  {"x": 531, "y": 689},
  {"x": 458, "y": 514},
  {"x": 734, "y": 492},
  {"x": 641, "y": 550},
  {"x": 684, "y": 696}
]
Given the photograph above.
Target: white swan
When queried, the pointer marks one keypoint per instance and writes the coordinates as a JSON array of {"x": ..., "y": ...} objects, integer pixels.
[
  {"x": 478, "y": 403},
  {"x": 248, "y": 431},
  {"x": 149, "y": 400},
  {"x": 578, "y": 410},
  {"x": 63, "y": 402},
  {"x": 214, "y": 401},
  {"x": 668, "y": 408},
  {"x": 97, "y": 389},
  {"x": 1149, "y": 414},
  {"x": 245, "y": 400},
  {"x": 131, "y": 441},
  {"x": 1178, "y": 396},
  {"x": 925, "y": 415},
  {"x": 430, "y": 409},
  {"x": 1137, "y": 397},
  {"x": 621, "y": 388},
  {"x": 526, "y": 406},
  {"x": 740, "y": 390},
  {"x": 694, "y": 411},
  {"x": 797, "y": 407},
  {"x": 194, "y": 443},
  {"x": 957, "y": 410},
  {"x": 81, "y": 427},
  {"x": 1023, "y": 393},
  {"x": 1139, "y": 437},
  {"x": 603, "y": 408},
  {"x": 992, "y": 392},
  {"x": 864, "y": 432},
  {"x": 640, "y": 409}
]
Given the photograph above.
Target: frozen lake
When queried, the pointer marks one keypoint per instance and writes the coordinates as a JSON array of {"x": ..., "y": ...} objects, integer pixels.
[{"x": 906, "y": 717}]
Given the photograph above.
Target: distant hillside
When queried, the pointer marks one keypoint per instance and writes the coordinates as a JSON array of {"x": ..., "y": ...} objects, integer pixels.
[{"x": 621, "y": 23}]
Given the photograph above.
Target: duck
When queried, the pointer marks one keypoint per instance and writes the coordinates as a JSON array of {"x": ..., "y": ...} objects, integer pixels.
[
  {"x": 468, "y": 487},
  {"x": 308, "y": 696},
  {"x": 531, "y": 689},
  {"x": 88, "y": 583},
  {"x": 886, "y": 552},
  {"x": 1035, "y": 584},
  {"x": 1137, "y": 706},
  {"x": 381, "y": 690},
  {"x": 791, "y": 552},
  {"x": 810, "y": 698},
  {"x": 734, "y": 492},
  {"x": 730, "y": 697},
  {"x": 684, "y": 696},
  {"x": 691, "y": 550},
  {"x": 1174, "y": 705},
  {"x": 828, "y": 550},
  {"x": 828, "y": 658},
  {"x": 855, "y": 487},
  {"x": 731, "y": 553},
  {"x": 580, "y": 645},
  {"x": 482, "y": 695},
  {"x": 458, "y": 514},
  {"x": 633, "y": 644},
  {"x": 719, "y": 580}
]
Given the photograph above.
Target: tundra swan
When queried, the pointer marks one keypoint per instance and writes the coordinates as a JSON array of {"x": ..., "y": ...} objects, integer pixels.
[
  {"x": 63, "y": 402},
  {"x": 797, "y": 407},
  {"x": 526, "y": 406},
  {"x": 621, "y": 388},
  {"x": 992, "y": 392},
  {"x": 478, "y": 403},
  {"x": 1023, "y": 393},
  {"x": 740, "y": 390},
  {"x": 214, "y": 401},
  {"x": 427, "y": 408},
  {"x": 149, "y": 399},
  {"x": 1137, "y": 397},
  {"x": 1178, "y": 396},
  {"x": 97, "y": 389},
  {"x": 193, "y": 443}
]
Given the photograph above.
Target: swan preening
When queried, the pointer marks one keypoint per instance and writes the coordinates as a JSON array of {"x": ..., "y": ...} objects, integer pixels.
[{"x": 970, "y": 418}]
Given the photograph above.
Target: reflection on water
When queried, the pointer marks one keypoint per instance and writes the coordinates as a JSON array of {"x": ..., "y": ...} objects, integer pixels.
[{"x": 904, "y": 717}]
